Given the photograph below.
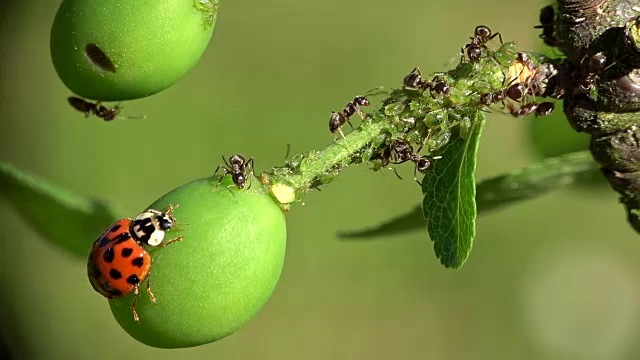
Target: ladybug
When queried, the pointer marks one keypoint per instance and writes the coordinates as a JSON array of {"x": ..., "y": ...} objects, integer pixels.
[{"x": 118, "y": 261}]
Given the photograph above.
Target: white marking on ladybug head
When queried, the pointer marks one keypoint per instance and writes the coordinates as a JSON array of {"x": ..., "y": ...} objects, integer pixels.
[
  {"x": 148, "y": 214},
  {"x": 156, "y": 238}
]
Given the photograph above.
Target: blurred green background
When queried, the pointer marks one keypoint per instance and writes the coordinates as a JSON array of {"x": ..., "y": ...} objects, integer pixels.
[{"x": 553, "y": 278}]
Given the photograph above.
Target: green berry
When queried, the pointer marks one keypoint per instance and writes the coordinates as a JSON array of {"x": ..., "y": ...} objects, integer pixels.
[
  {"x": 115, "y": 50},
  {"x": 219, "y": 276}
]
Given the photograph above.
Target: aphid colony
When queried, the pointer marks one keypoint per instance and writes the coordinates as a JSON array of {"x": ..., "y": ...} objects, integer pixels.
[{"x": 522, "y": 82}]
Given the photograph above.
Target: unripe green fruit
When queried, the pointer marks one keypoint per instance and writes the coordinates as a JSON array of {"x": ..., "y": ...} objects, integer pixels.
[
  {"x": 148, "y": 45},
  {"x": 219, "y": 276}
]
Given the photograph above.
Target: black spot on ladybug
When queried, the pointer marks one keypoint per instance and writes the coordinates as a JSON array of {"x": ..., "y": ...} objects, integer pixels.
[
  {"x": 115, "y": 292},
  {"x": 133, "y": 280},
  {"x": 103, "y": 241},
  {"x": 137, "y": 262},
  {"x": 115, "y": 274},
  {"x": 108, "y": 255},
  {"x": 115, "y": 228},
  {"x": 126, "y": 252},
  {"x": 122, "y": 238}
]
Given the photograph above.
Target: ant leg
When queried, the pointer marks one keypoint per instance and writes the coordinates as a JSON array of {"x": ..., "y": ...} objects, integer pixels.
[
  {"x": 380, "y": 90},
  {"x": 342, "y": 134},
  {"x": 499, "y": 37},
  {"x": 215, "y": 172},
  {"x": 395, "y": 172},
  {"x": 249, "y": 165},
  {"x": 426, "y": 138},
  {"x": 461, "y": 55},
  {"x": 226, "y": 172},
  {"x": 350, "y": 124},
  {"x": 225, "y": 161},
  {"x": 415, "y": 175},
  {"x": 151, "y": 296}
]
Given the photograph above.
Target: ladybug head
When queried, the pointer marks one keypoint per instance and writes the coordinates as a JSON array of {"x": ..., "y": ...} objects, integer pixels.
[{"x": 150, "y": 226}]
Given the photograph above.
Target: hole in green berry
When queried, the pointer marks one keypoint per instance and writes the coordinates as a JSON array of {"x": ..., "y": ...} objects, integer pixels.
[{"x": 99, "y": 58}]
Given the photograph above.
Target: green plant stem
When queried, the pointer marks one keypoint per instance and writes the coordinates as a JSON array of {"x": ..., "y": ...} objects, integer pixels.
[{"x": 339, "y": 153}]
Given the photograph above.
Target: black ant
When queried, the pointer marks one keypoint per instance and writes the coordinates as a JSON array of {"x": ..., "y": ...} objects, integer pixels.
[
  {"x": 415, "y": 81},
  {"x": 482, "y": 35},
  {"x": 88, "y": 108},
  {"x": 237, "y": 168},
  {"x": 514, "y": 92},
  {"x": 547, "y": 18},
  {"x": 338, "y": 119},
  {"x": 539, "y": 109},
  {"x": 401, "y": 151},
  {"x": 441, "y": 87},
  {"x": 595, "y": 66}
]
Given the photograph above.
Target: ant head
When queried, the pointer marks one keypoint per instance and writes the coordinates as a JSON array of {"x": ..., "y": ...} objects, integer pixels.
[
  {"x": 111, "y": 114},
  {"x": 361, "y": 100},
  {"x": 237, "y": 159},
  {"x": 482, "y": 31}
]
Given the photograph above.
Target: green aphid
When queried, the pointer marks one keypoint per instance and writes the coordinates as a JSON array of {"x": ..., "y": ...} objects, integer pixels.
[
  {"x": 394, "y": 109},
  {"x": 505, "y": 54},
  {"x": 439, "y": 140}
]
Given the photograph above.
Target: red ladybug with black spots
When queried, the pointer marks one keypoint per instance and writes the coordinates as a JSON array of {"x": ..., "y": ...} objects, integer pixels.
[{"x": 118, "y": 261}]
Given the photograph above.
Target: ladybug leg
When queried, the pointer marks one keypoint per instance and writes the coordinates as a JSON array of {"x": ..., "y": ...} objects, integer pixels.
[
  {"x": 133, "y": 304},
  {"x": 170, "y": 208},
  {"x": 164, "y": 244},
  {"x": 151, "y": 296}
]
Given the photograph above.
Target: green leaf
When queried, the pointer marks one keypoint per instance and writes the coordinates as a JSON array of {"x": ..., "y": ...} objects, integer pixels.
[
  {"x": 494, "y": 193},
  {"x": 551, "y": 136},
  {"x": 535, "y": 180},
  {"x": 67, "y": 220},
  {"x": 449, "y": 203}
]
